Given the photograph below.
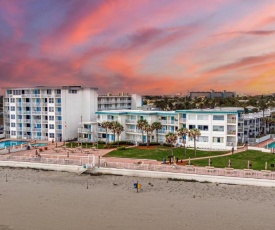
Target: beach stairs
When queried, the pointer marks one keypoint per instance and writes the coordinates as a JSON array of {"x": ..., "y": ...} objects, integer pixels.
[{"x": 85, "y": 168}]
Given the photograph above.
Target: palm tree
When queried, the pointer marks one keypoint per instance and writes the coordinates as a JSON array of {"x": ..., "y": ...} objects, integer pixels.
[
  {"x": 119, "y": 129},
  {"x": 182, "y": 132},
  {"x": 140, "y": 124},
  {"x": 148, "y": 129},
  {"x": 171, "y": 138},
  {"x": 113, "y": 126},
  {"x": 263, "y": 106},
  {"x": 194, "y": 134},
  {"x": 106, "y": 125},
  {"x": 156, "y": 126}
]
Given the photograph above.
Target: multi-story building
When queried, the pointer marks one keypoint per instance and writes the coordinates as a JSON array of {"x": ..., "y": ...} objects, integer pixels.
[
  {"x": 219, "y": 127},
  {"x": 118, "y": 102},
  {"x": 211, "y": 94},
  {"x": 47, "y": 113},
  {"x": 254, "y": 125}
]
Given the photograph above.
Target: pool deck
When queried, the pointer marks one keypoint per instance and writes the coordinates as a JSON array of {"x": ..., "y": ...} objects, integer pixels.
[{"x": 265, "y": 143}]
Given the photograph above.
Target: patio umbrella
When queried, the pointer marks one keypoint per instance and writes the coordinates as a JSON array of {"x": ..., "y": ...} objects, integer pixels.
[
  {"x": 71, "y": 145},
  {"x": 86, "y": 145},
  {"x": 189, "y": 161},
  {"x": 209, "y": 162},
  {"x": 229, "y": 163},
  {"x": 265, "y": 167},
  {"x": 248, "y": 163}
]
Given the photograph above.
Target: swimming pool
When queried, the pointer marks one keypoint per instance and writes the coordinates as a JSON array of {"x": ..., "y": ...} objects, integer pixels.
[
  {"x": 39, "y": 144},
  {"x": 7, "y": 144},
  {"x": 271, "y": 145}
]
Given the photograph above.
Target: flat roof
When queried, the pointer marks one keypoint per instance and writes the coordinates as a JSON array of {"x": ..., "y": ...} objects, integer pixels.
[
  {"x": 215, "y": 110},
  {"x": 137, "y": 112},
  {"x": 51, "y": 87}
]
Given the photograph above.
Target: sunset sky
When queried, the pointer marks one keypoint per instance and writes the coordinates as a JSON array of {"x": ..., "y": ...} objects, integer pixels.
[{"x": 139, "y": 46}]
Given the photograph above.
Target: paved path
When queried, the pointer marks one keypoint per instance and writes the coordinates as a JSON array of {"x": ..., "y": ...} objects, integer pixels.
[{"x": 223, "y": 155}]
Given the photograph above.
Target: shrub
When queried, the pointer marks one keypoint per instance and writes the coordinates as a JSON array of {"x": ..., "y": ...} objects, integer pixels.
[
  {"x": 154, "y": 143},
  {"x": 165, "y": 144},
  {"x": 121, "y": 148},
  {"x": 142, "y": 144}
]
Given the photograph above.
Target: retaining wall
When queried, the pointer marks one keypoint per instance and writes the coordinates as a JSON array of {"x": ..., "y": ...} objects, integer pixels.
[{"x": 200, "y": 178}]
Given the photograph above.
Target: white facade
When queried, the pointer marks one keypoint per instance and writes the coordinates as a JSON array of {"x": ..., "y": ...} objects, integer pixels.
[
  {"x": 47, "y": 113},
  {"x": 219, "y": 127},
  {"x": 118, "y": 102}
]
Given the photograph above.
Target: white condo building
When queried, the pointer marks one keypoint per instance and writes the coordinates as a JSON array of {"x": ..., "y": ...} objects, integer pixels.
[
  {"x": 219, "y": 127},
  {"x": 47, "y": 113}
]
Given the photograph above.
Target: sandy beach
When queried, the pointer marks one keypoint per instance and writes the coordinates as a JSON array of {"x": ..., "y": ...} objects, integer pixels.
[{"x": 32, "y": 199}]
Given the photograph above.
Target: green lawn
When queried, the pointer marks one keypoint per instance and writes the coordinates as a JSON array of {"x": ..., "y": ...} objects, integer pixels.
[
  {"x": 159, "y": 153},
  {"x": 240, "y": 160}
]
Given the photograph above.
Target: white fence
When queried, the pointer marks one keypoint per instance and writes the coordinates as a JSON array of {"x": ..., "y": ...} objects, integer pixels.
[
  {"x": 2, "y": 136},
  {"x": 227, "y": 172},
  {"x": 259, "y": 140},
  {"x": 260, "y": 149}
]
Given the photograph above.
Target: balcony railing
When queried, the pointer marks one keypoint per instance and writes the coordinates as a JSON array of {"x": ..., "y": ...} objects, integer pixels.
[
  {"x": 231, "y": 132},
  {"x": 134, "y": 131},
  {"x": 82, "y": 130},
  {"x": 131, "y": 121},
  {"x": 233, "y": 121},
  {"x": 26, "y": 121},
  {"x": 182, "y": 120}
]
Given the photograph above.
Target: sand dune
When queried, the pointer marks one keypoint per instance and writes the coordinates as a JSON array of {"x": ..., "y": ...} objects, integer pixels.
[{"x": 53, "y": 200}]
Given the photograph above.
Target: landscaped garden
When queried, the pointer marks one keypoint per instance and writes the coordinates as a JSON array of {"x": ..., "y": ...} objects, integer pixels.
[
  {"x": 240, "y": 160},
  {"x": 160, "y": 152}
]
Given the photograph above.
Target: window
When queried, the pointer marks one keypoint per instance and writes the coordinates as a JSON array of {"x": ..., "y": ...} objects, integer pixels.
[
  {"x": 218, "y": 117},
  {"x": 51, "y": 118},
  {"x": 16, "y": 92},
  {"x": 51, "y": 126},
  {"x": 51, "y": 135},
  {"x": 202, "y": 117},
  {"x": 51, "y": 109},
  {"x": 12, "y": 116},
  {"x": 49, "y": 91},
  {"x": 202, "y": 139},
  {"x": 12, "y": 100},
  {"x": 203, "y": 127},
  {"x": 218, "y": 139},
  {"x": 73, "y": 91},
  {"x": 218, "y": 128},
  {"x": 192, "y": 117},
  {"x": 192, "y": 126},
  {"x": 58, "y": 91},
  {"x": 51, "y": 100},
  {"x": 13, "y": 133},
  {"x": 12, "y": 108},
  {"x": 12, "y": 124}
]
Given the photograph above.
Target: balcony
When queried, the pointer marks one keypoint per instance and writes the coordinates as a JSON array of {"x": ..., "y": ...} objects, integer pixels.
[
  {"x": 57, "y": 104},
  {"x": 183, "y": 120},
  {"x": 101, "y": 130},
  {"x": 36, "y": 121},
  {"x": 19, "y": 121},
  {"x": 133, "y": 131},
  {"x": 26, "y": 121},
  {"x": 36, "y": 129},
  {"x": 231, "y": 132},
  {"x": 131, "y": 121},
  {"x": 45, "y": 121},
  {"x": 82, "y": 130},
  {"x": 27, "y": 129},
  {"x": 58, "y": 113},
  {"x": 58, "y": 122},
  {"x": 232, "y": 121}
]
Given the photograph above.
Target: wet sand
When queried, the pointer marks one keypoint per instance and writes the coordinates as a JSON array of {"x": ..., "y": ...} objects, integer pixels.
[{"x": 34, "y": 199}]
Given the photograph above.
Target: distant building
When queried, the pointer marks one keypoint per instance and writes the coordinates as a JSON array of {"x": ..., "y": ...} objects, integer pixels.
[
  {"x": 211, "y": 94},
  {"x": 118, "y": 102}
]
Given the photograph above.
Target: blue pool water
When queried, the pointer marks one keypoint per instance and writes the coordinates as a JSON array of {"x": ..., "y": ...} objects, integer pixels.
[
  {"x": 40, "y": 144},
  {"x": 7, "y": 144},
  {"x": 271, "y": 145}
]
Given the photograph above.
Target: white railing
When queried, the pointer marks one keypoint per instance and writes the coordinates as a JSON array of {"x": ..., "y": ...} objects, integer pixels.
[
  {"x": 131, "y": 121},
  {"x": 182, "y": 119},
  {"x": 231, "y": 132},
  {"x": 82, "y": 130},
  {"x": 228, "y": 172},
  {"x": 259, "y": 140},
  {"x": 231, "y": 143},
  {"x": 233, "y": 121}
]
